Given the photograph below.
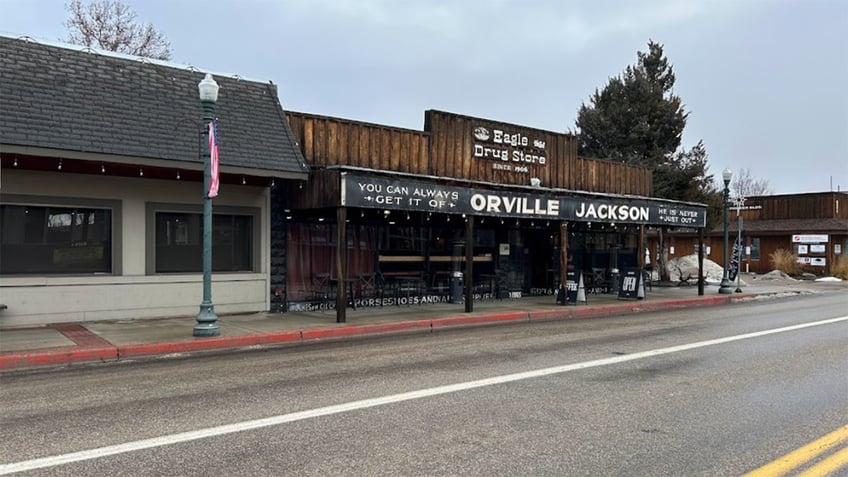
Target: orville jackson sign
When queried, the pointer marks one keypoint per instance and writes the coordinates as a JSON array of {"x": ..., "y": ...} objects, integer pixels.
[{"x": 401, "y": 194}]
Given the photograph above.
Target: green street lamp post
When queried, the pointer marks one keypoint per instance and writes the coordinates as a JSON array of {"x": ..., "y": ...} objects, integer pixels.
[
  {"x": 207, "y": 320},
  {"x": 725, "y": 287}
]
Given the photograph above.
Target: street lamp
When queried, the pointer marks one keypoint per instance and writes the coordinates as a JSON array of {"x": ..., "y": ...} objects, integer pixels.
[
  {"x": 739, "y": 202},
  {"x": 724, "y": 288},
  {"x": 207, "y": 320}
]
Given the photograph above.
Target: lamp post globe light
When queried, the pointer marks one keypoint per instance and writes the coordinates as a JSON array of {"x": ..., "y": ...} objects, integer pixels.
[
  {"x": 724, "y": 288},
  {"x": 207, "y": 320}
]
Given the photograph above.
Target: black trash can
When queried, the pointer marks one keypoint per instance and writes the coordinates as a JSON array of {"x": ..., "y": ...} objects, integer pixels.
[
  {"x": 456, "y": 295},
  {"x": 615, "y": 276}
]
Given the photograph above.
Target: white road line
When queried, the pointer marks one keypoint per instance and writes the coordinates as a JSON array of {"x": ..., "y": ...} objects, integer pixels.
[{"x": 56, "y": 460}]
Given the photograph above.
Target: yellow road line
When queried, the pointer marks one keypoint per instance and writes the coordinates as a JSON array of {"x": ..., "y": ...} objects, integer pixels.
[
  {"x": 828, "y": 466},
  {"x": 801, "y": 455}
]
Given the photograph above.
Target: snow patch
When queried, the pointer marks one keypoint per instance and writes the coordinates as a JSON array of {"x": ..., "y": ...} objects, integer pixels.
[{"x": 688, "y": 266}]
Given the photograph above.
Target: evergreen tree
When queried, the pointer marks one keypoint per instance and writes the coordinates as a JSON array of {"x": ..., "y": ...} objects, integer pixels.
[{"x": 636, "y": 118}]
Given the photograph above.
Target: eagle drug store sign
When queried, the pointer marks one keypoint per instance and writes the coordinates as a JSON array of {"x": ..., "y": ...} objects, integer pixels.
[
  {"x": 509, "y": 149},
  {"x": 375, "y": 192}
]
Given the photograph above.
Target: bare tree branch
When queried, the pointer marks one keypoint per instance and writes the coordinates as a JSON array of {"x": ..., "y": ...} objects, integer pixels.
[
  {"x": 112, "y": 25},
  {"x": 745, "y": 185}
]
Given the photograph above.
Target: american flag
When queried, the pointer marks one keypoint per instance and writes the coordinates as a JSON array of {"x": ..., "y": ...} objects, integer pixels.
[{"x": 213, "y": 153}]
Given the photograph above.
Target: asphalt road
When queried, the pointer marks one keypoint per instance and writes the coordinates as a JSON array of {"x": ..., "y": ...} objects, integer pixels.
[{"x": 682, "y": 393}]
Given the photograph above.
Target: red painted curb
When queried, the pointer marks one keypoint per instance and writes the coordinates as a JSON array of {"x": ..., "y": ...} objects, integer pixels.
[
  {"x": 66, "y": 355},
  {"x": 280, "y": 337},
  {"x": 57, "y": 356},
  {"x": 563, "y": 313},
  {"x": 198, "y": 344},
  {"x": 479, "y": 319},
  {"x": 326, "y": 333},
  {"x": 597, "y": 311}
]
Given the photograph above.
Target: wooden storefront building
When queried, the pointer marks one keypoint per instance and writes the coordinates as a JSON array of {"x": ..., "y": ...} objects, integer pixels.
[
  {"x": 813, "y": 226},
  {"x": 505, "y": 206}
]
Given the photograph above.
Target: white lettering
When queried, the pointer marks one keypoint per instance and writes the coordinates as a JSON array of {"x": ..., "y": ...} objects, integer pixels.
[
  {"x": 490, "y": 152},
  {"x": 612, "y": 212},
  {"x": 513, "y": 140},
  {"x": 521, "y": 156},
  {"x": 390, "y": 189},
  {"x": 514, "y": 205}
]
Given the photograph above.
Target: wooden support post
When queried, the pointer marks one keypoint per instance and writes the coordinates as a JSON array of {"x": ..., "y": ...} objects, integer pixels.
[
  {"x": 640, "y": 255},
  {"x": 563, "y": 261},
  {"x": 700, "y": 261},
  {"x": 341, "y": 265},
  {"x": 469, "y": 264}
]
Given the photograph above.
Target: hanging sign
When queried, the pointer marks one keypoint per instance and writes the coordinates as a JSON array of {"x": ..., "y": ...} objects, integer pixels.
[{"x": 380, "y": 192}]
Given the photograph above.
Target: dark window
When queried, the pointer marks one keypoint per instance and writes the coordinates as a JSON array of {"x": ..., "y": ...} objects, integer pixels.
[
  {"x": 755, "y": 250},
  {"x": 55, "y": 240},
  {"x": 179, "y": 242}
]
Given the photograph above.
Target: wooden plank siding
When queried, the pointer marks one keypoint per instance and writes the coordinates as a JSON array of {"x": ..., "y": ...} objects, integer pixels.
[
  {"x": 321, "y": 191},
  {"x": 331, "y": 141},
  {"x": 811, "y": 206},
  {"x": 446, "y": 148},
  {"x": 452, "y": 155}
]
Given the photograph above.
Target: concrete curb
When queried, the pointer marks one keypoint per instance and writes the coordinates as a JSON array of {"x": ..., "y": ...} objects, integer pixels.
[{"x": 68, "y": 355}]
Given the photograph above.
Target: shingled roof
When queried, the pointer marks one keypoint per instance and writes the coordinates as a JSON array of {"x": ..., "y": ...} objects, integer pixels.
[{"x": 75, "y": 99}]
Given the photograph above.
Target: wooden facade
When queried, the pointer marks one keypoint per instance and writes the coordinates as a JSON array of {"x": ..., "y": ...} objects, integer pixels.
[
  {"x": 769, "y": 223},
  {"x": 414, "y": 202},
  {"x": 457, "y": 148},
  {"x": 828, "y": 205}
]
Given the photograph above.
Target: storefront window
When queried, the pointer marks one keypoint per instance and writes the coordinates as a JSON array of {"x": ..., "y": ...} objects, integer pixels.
[
  {"x": 179, "y": 242},
  {"x": 755, "y": 249},
  {"x": 55, "y": 240},
  {"x": 311, "y": 256}
]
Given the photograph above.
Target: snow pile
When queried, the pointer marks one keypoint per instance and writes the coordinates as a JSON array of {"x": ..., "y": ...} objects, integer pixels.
[
  {"x": 829, "y": 279},
  {"x": 776, "y": 275},
  {"x": 688, "y": 266}
]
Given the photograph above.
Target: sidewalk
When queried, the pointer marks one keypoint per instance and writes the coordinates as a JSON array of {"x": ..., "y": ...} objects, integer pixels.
[{"x": 65, "y": 344}]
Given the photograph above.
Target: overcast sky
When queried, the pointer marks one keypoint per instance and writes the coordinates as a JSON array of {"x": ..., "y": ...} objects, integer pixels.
[{"x": 765, "y": 81}]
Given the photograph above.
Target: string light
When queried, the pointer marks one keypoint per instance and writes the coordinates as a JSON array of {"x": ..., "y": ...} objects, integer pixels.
[
  {"x": 102, "y": 169},
  {"x": 178, "y": 175},
  {"x": 15, "y": 164},
  {"x": 140, "y": 172},
  {"x": 243, "y": 181},
  {"x": 60, "y": 164}
]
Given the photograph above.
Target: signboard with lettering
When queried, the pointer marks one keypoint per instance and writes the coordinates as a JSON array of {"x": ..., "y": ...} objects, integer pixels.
[
  {"x": 800, "y": 238},
  {"x": 572, "y": 282},
  {"x": 405, "y": 194},
  {"x": 630, "y": 281},
  {"x": 510, "y": 150}
]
